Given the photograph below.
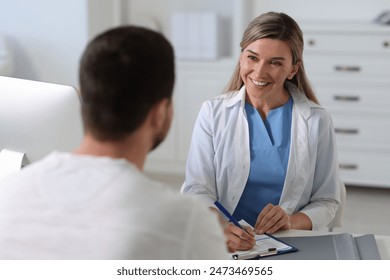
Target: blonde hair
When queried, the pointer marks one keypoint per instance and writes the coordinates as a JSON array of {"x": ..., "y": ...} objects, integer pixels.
[{"x": 281, "y": 27}]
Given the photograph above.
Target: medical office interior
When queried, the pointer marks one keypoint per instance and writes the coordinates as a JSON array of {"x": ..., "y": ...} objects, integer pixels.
[{"x": 347, "y": 59}]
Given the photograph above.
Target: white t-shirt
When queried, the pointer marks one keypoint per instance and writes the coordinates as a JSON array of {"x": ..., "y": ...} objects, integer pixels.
[{"x": 80, "y": 207}]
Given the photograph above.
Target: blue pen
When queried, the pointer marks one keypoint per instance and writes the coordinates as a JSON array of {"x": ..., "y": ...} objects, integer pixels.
[{"x": 228, "y": 215}]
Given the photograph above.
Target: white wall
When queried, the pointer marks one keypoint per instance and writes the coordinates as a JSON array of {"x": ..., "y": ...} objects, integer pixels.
[
  {"x": 324, "y": 10},
  {"x": 46, "y": 37}
]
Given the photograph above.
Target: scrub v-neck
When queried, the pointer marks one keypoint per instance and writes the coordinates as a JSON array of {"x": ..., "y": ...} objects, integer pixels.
[{"x": 269, "y": 150}]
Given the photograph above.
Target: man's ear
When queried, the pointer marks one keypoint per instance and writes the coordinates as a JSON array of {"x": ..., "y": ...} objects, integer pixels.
[{"x": 159, "y": 113}]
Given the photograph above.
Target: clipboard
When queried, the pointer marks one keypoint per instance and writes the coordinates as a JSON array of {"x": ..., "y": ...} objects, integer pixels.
[{"x": 266, "y": 245}]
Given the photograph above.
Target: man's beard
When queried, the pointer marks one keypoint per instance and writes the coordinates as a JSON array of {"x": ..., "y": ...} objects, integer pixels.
[
  {"x": 157, "y": 141},
  {"x": 159, "y": 138}
]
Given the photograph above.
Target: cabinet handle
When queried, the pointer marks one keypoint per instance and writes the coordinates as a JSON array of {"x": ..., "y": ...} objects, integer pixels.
[
  {"x": 346, "y": 166},
  {"x": 341, "y": 68},
  {"x": 351, "y": 98},
  {"x": 347, "y": 130}
]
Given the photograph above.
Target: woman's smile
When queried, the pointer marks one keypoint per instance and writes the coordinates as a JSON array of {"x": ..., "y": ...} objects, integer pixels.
[{"x": 259, "y": 83}]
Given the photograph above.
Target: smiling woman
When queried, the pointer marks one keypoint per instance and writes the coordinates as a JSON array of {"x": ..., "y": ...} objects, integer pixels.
[
  {"x": 264, "y": 67},
  {"x": 265, "y": 149},
  {"x": 283, "y": 30}
]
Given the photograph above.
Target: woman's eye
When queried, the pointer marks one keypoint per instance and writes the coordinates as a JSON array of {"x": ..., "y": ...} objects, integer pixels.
[
  {"x": 252, "y": 57},
  {"x": 275, "y": 62}
]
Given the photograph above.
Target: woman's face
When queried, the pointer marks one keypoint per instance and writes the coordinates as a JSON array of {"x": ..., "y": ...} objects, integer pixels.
[{"x": 265, "y": 64}]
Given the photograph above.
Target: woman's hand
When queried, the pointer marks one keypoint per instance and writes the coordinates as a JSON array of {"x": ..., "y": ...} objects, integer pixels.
[
  {"x": 271, "y": 219},
  {"x": 236, "y": 238},
  {"x": 239, "y": 239}
]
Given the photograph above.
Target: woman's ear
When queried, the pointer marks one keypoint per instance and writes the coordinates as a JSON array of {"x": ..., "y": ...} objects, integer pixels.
[{"x": 294, "y": 70}]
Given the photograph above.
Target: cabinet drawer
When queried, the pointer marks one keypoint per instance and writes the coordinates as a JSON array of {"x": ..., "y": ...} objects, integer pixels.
[
  {"x": 359, "y": 167},
  {"x": 361, "y": 67},
  {"x": 347, "y": 43},
  {"x": 362, "y": 131},
  {"x": 353, "y": 96}
]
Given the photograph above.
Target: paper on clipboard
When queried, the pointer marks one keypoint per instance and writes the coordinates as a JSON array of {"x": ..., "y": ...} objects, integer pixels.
[
  {"x": 264, "y": 242},
  {"x": 266, "y": 245}
]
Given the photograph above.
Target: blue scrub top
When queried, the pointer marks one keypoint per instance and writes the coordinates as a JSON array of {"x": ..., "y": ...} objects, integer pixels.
[{"x": 269, "y": 150}]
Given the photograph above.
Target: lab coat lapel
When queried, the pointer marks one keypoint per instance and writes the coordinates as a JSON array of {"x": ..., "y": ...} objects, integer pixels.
[{"x": 299, "y": 163}]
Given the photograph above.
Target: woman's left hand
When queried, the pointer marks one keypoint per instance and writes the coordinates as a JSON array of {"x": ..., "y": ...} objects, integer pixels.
[{"x": 271, "y": 219}]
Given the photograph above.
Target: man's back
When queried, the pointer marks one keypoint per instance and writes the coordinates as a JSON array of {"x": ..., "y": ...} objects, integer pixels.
[{"x": 84, "y": 207}]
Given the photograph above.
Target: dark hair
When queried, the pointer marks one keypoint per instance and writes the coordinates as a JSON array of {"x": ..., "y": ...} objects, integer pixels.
[
  {"x": 123, "y": 73},
  {"x": 282, "y": 27}
]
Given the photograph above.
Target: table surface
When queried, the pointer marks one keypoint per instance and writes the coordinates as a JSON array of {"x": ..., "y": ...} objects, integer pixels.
[{"x": 382, "y": 241}]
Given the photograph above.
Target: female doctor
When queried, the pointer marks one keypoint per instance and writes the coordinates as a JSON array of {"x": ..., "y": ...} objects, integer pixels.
[{"x": 265, "y": 149}]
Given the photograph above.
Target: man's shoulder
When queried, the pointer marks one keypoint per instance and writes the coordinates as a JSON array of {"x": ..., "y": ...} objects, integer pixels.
[
  {"x": 26, "y": 173},
  {"x": 168, "y": 199}
]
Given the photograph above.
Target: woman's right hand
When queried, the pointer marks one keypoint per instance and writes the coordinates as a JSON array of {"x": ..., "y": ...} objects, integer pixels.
[
  {"x": 236, "y": 238},
  {"x": 239, "y": 239}
]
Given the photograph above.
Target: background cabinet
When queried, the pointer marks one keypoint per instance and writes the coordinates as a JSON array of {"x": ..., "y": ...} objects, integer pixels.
[{"x": 349, "y": 67}]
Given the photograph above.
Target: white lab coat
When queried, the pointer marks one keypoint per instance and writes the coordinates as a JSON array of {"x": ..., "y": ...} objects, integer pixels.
[{"x": 219, "y": 158}]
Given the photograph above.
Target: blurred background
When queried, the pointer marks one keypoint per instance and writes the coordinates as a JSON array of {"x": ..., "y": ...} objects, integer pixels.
[{"x": 347, "y": 58}]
